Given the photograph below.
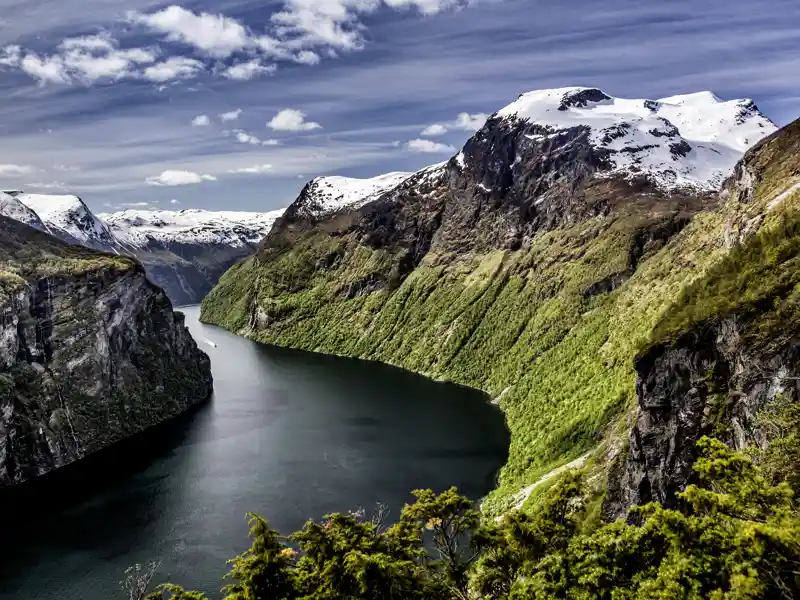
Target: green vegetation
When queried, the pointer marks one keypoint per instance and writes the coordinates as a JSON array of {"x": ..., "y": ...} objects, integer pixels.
[
  {"x": 757, "y": 280},
  {"x": 736, "y": 536},
  {"x": 557, "y": 323},
  {"x": 27, "y": 254},
  {"x": 505, "y": 319}
]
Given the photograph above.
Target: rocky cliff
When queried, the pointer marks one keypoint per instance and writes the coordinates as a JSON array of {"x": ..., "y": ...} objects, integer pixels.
[
  {"x": 536, "y": 263},
  {"x": 90, "y": 353},
  {"x": 727, "y": 350}
]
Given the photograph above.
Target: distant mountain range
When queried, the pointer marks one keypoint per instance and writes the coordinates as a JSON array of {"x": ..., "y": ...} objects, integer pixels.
[{"x": 185, "y": 251}]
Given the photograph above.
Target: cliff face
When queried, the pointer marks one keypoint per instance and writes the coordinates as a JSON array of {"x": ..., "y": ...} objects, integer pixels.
[
  {"x": 537, "y": 263},
  {"x": 728, "y": 348},
  {"x": 90, "y": 353}
]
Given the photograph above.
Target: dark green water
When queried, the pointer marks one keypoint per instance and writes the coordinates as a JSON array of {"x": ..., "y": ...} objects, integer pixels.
[{"x": 288, "y": 434}]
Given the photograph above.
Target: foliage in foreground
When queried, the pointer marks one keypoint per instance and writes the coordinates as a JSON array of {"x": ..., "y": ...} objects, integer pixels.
[{"x": 736, "y": 535}]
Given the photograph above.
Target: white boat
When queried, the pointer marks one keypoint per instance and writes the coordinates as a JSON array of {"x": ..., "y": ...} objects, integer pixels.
[{"x": 210, "y": 343}]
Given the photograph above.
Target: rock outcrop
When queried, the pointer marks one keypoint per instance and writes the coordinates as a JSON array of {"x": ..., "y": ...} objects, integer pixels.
[
  {"x": 728, "y": 349},
  {"x": 91, "y": 352}
]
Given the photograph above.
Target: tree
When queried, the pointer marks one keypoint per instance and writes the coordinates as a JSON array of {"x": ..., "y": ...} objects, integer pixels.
[
  {"x": 137, "y": 579},
  {"x": 450, "y": 519},
  {"x": 264, "y": 571}
]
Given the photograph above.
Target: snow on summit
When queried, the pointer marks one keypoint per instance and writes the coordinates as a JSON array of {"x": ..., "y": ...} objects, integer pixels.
[
  {"x": 687, "y": 140},
  {"x": 14, "y": 209},
  {"x": 137, "y": 228},
  {"x": 71, "y": 216},
  {"x": 325, "y": 195}
]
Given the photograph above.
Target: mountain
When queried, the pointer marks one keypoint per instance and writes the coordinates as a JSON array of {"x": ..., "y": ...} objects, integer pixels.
[
  {"x": 14, "y": 209},
  {"x": 323, "y": 196},
  {"x": 91, "y": 353},
  {"x": 185, "y": 252},
  {"x": 692, "y": 140},
  {"x": 68, "y": 218},
  {"x": 536, "y": 265}
]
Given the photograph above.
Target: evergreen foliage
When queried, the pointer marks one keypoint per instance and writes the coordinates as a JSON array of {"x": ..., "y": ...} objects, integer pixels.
[{"x": 735, "y": 536}]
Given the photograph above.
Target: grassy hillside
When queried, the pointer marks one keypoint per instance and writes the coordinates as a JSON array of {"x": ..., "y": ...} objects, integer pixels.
[
  {"x": 26, "y": 253},
  {"x": 555, "y": 325}
]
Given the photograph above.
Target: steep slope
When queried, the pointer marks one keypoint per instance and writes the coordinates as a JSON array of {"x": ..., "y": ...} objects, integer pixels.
[
  {"x": 90, "y": 353},
  {"x": 728, "y": 348},
  {"x": 69, "y": 219},
  {"x": 14, "y": 209},
  {"x": 323, "y": 196},
  {"x": 187, "y": 251},
  {"x": 532, "y": 265}
]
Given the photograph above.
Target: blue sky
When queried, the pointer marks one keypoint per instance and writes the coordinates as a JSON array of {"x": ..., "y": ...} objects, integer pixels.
[{"x": 120, "y": 102}]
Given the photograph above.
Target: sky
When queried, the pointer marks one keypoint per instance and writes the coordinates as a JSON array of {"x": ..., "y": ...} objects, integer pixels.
[{"x": 235, "y": 104}]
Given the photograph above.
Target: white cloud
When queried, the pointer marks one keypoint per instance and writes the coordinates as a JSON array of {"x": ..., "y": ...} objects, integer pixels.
[
  {"x": 427, "y": 7},
  {"x": 46, "y": 70},
  {"x": 176, "y": 67},
  {"x": 65, "y": 168},
  {"x": 89, "y": 43},
  {"x": 434, "y": 130},
  {"x": 302, "y": 32},
  {"x": 254, "y": 170},
  {"x": 231, "y": 116},
  {"x": 215, "y": 35},
  {"x": 137, "y": 204},
  {"x": 10, "y": 56},
  {"x": 420, "y": 145},
  {"x": 464, "y": 122},
  {"x": 468, "y": 122},
  {"x": 336, "y": 24},
  {"x": 245, "y": 138},
  {"x": 87, "y": 59},
  {"x": 292, "y": 120},
  {"x": 201, "y": 121},
  {"x": 15, "y": 170},
  {"x": 179, "y": 178},
  {"x": 248, "y": 70},
  {"x": 307, "y": 57},
  {"x": 174, "y": 201},
  {"x": 55, "y": 185}
]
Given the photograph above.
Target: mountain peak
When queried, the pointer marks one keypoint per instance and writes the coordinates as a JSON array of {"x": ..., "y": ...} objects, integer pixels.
[
  {"x": 71, "y": 217},
  {"x": 325, "y": 195},
  {"x": 14, "y": 209},
  {"x": 690, "y": 140}
]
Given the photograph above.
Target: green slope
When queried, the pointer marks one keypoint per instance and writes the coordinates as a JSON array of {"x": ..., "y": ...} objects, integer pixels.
[{"x": 555, "y": 325}]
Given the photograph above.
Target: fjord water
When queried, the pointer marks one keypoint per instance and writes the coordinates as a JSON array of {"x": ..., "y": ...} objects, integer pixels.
[{"x": 288, "y": 434}]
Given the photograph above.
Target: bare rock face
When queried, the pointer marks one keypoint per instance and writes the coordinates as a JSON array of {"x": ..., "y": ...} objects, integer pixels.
[
  {"x": 711, "y": 381},
  {"x": 91, "y": 352}
]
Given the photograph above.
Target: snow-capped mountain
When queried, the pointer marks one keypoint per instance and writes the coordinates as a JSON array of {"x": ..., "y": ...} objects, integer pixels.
[
  {"x": 68, "y": 218},
  {"x": 140, "y": 228},
  {"x": 185, "y": 252},
  {"x": 689, "y": 140},
  {"x": 14, "y": 209},
  {"x": 323, "y": 196}
]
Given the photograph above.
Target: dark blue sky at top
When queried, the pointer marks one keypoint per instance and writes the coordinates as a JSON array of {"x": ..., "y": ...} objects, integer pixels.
[{"x": 103, "y": 139}]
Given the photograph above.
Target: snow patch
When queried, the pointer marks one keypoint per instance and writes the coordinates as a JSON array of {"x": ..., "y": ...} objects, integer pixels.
[
  {"x": 138, "y": 228},
  {"x": 68, "y": 214},
  {"x": 688, "y": 140},
  {"x": 326, "y": 195}
]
